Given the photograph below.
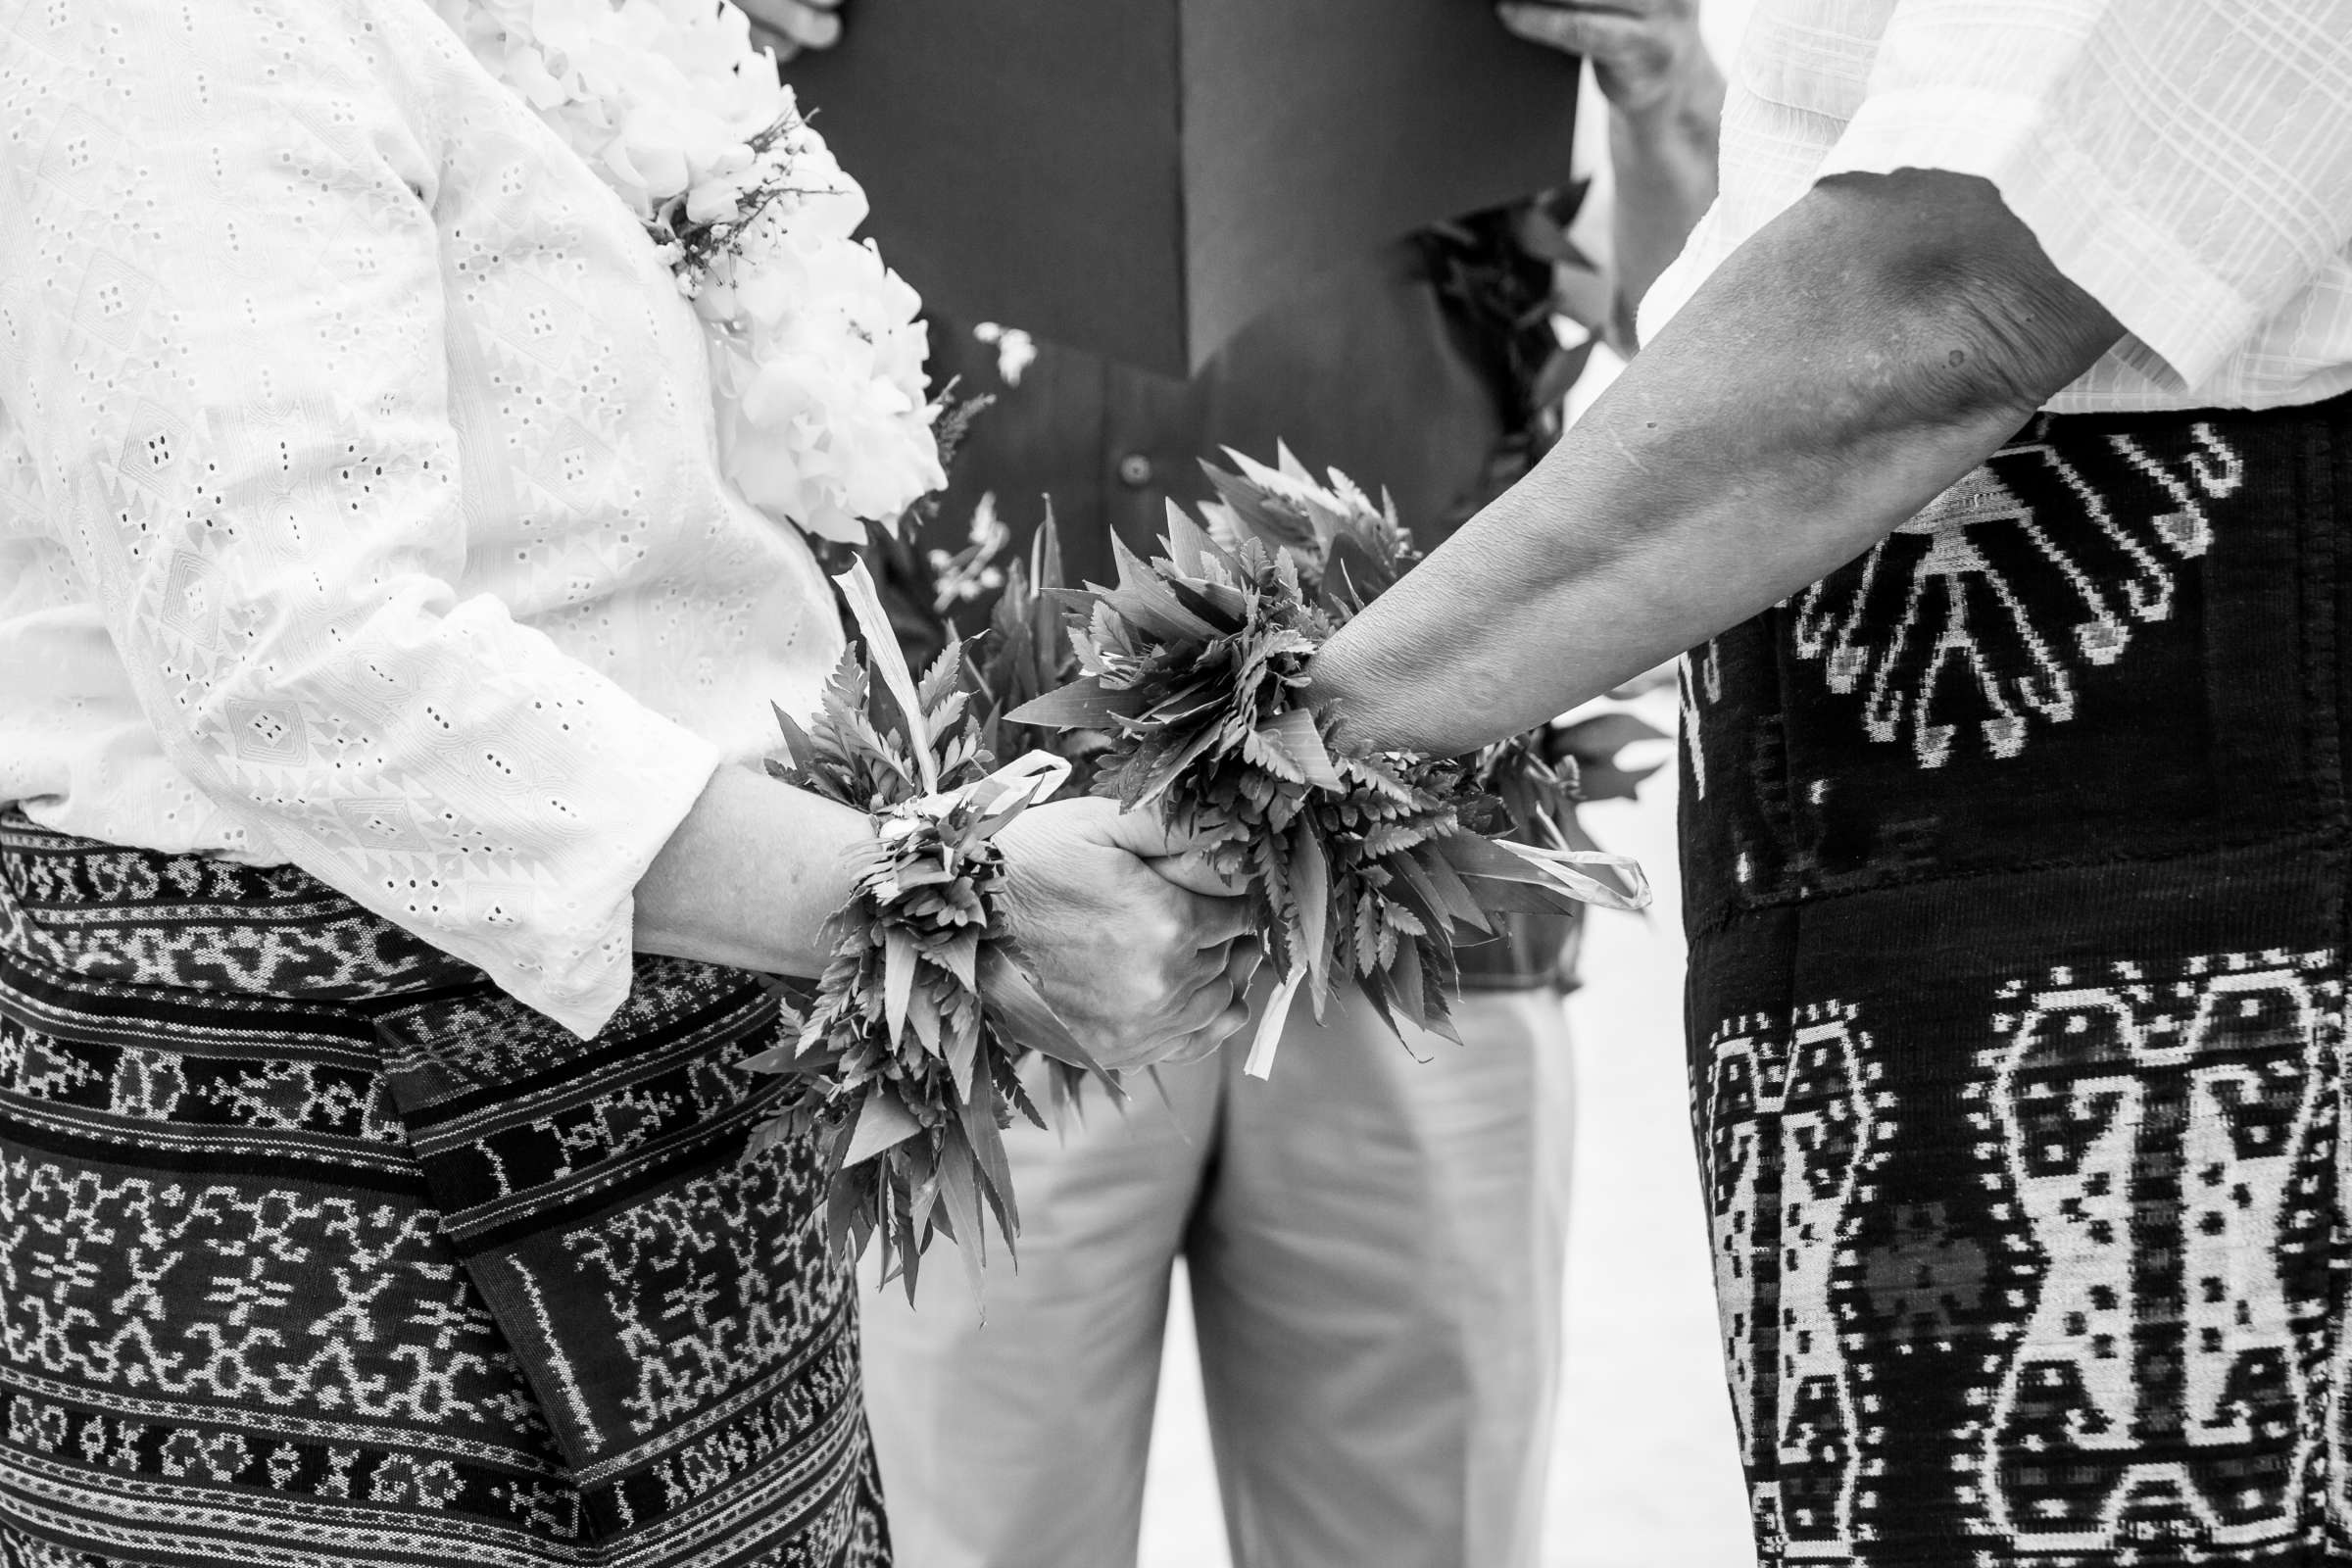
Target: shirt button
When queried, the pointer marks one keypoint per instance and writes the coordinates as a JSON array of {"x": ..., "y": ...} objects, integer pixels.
[{"x": 1135, "y": 471}]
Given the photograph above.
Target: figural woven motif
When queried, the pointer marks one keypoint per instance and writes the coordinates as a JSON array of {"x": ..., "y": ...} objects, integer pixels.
[{"x": 2016, "y": 862}]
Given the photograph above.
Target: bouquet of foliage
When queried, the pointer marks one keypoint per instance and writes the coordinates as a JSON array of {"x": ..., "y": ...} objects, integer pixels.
[{"x": 1358, "y": 869}]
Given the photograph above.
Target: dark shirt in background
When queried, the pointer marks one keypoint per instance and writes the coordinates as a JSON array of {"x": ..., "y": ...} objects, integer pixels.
[{"x": 1368, "y": 373}]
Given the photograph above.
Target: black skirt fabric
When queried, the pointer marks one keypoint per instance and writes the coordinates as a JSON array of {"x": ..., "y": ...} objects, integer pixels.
[
  {"x": 317, "y": 1250},
  {"x": 2015, "y": 857}
]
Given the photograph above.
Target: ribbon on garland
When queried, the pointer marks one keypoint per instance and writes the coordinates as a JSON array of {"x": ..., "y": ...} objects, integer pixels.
[{"x": 1009, "y": 790}]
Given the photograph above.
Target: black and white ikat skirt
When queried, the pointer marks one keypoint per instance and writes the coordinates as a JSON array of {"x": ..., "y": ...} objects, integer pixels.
[
  {"x": 318, "y": 1251},
  {"x": 2016, "y": 858}
]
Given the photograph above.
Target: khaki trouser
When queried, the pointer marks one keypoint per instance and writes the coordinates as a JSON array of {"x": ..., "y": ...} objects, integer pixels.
[{"x": 1376, "y": 1251}]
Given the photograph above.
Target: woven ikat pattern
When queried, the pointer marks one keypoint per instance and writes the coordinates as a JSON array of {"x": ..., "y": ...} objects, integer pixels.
[
  {"x": 2170, "y": 1140},
  {"x": 393, "y": 1271},
  {"x": 2017, "y": 898},
  {"x": 1932, "y": 632},
  {"x": 1790, "y": 1121},
  {"x": 2125, "y": 1287}
]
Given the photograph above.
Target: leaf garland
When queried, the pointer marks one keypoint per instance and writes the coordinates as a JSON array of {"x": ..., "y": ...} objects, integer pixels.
[
  {"x": 1358, "y": 869},
  {"x": 906, "y": 1058}
]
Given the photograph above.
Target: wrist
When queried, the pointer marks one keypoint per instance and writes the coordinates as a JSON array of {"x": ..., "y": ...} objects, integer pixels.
[
  {"x": 1687, "y": 102},
  {"x": 1365, "y": 705},
  {"x": 1334, "y": 688}
]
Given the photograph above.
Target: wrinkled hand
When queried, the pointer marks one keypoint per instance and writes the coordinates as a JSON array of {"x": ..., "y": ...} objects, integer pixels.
[
  {"x": 792, "y": 25},
  {"x": 1643, "y": 51},
  {"x": 1141, "y": 969}
]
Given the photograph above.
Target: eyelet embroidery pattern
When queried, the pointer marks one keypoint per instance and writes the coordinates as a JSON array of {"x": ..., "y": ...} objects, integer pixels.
[
  {"x": 362, "y": 495},
  {"x": 816, "y": 348}
]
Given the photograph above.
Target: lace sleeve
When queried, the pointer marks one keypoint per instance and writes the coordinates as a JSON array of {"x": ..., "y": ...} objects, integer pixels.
[{"x": 221, "y": 335}]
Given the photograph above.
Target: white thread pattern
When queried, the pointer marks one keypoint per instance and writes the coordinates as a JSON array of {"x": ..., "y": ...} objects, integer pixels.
[{"x": 1964, "y": 636}]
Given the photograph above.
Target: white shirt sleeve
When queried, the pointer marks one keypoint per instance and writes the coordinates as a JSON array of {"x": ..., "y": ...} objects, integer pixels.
[
  {"x": 221, "y": 336},
  {"x": 2186, "y": 163}
]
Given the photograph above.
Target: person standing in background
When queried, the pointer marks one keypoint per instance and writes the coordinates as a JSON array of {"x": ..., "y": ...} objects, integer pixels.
[{"x": 1374, "y": 1242}]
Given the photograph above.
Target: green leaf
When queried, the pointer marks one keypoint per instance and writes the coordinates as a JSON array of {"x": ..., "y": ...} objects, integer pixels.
[
  {"x": 1310, "y": 881},
  {"x": 988, "y": 1156},
  {"x": 922, "y": 1014},
  {"x": 1022, "y": 1013},
  {"x": 963, "y": 1054},
  {"x": 897, "y": 978},
  {"x": 1601, "y": 737},
  {"x": 942, "y": 679},
  {"x": 796, "y": 740},
  {"x": 1416, "y": 893},
  {"x": 1143, "y": 597},
  {"x": 958, "y": 955},
  {"x": 1351, "y": 568},
  {"x": 1294, "y": 731},
  {"x": 883, "y": 1123},
  {"x": 959, "y": 1196},
  {"x": 1606, "y": 781},
  {"x": 1045, "y": 550},
  {"x": 1213, "y": 601},
  {"x": 1153, "y": 782},
  {"x": 1188, "y": 545},
  {"x": 1473, "y": 856},
  {"x": 1522, "y": 898},
  {"x": 775, "y": 1059},
  {"x": 1081, "y": 705},
  {"x": 1451, "y": 890}
]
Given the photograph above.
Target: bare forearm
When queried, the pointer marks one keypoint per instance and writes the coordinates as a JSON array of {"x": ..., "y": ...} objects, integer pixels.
[
  {"x": 1663, "y": 158},
  {"x": 749, "y": 877},
  {"x": 1852, "y": 361}
]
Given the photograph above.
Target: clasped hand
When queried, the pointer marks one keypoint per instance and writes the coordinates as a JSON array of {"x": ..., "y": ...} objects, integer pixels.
[
  {"x": 792, "y": 25},
  {"x": 1143, "y": 955}
]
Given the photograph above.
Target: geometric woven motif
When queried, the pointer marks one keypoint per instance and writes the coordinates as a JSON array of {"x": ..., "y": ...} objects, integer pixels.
[
  {"x": 2032, "y": 1245},
  {"x": 1932, "y": 629},
  {"x": 1789, "y": 1123},
  {"x": 2170, "y": 1137},
  {"x": 2100, "y": 1328},
  {"x": 258, "y": 1308}
]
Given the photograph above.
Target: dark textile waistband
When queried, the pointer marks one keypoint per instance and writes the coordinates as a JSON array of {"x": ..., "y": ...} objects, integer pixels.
[{"x": 107, "y": 911}]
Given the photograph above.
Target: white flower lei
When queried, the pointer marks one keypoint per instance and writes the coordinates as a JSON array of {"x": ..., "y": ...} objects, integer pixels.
[{"x": 816, "y": 358}]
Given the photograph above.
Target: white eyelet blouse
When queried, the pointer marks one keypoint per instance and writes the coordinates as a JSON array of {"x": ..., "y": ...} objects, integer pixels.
[{"x": 359, "y": 498}]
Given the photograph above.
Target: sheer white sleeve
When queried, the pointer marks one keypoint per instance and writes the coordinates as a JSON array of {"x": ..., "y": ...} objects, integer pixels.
[{"x": 2186, "y": 163}]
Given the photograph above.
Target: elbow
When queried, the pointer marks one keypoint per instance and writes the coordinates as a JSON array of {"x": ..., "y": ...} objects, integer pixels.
[
  {"x": 296, "y": 692},
  {"x": 1980, "y": 343},
  {"x": 1980, "y": 326}
]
